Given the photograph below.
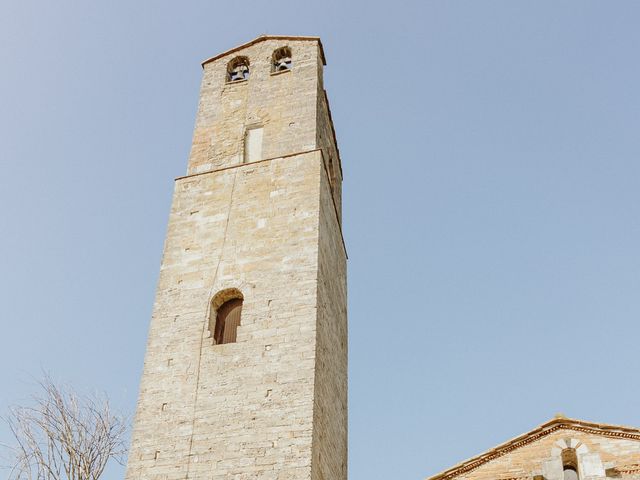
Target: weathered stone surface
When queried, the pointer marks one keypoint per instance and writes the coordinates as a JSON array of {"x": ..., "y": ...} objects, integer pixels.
[{"x": 273, "y": 405}]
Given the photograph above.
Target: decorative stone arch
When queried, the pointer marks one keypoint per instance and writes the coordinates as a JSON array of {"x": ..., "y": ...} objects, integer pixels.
[
  {"x": 238, "y": 69},
  {"x": 225, "y": 302},
  {"x": 225, "y": 295},
  {"x": 568, "y": 444}
]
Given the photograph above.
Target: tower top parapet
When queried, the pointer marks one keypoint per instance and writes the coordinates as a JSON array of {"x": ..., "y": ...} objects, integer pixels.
[{"x": 263, "y": 38}]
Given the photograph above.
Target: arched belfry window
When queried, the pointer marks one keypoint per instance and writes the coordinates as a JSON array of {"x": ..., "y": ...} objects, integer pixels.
[
  {"x": 281, "y": 60},
  {"x": 224, "y": 316},
  {"x": 238, "y": 69}
]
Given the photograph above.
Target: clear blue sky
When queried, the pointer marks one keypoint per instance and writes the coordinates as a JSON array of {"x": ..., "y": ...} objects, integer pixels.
[{"x": 492, "y": 203}]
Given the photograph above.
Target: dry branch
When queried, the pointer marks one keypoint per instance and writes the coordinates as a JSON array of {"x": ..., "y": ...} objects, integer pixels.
[{"x": 64, "y": 436}]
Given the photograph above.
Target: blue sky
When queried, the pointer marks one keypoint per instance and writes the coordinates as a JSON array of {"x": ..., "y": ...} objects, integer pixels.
[{"x": 491, "y": 204}]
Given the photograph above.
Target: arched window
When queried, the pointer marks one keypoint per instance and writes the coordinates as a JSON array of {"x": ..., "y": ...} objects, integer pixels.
[
  {"x": 281, "y": 60},
  {"x": 570, "y": 464},
  {"x": 224, "y": 317},
  {"x": 238, "y": 69}
]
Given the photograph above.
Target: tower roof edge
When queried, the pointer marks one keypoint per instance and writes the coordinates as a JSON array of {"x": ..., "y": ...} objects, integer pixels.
[{"x": 262, "y": 38}]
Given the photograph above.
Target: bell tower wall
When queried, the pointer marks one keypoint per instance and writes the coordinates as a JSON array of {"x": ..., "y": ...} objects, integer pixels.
[
  {"x": 267, "y": 400},
  {"x": 282, "y": 102}
]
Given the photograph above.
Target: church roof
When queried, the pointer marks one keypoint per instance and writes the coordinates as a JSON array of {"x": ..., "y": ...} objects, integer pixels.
[
  {"x": 557, "y": 423},
  {"x": 262, "y": 38}
]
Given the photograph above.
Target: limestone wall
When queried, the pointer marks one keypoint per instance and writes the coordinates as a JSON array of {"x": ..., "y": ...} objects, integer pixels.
[
  {"x": 330, "y": 406},
  {"x": 283, "y": 103},
  {"x": 327, "y": 142},
  {"x": 254, "y": 228}
]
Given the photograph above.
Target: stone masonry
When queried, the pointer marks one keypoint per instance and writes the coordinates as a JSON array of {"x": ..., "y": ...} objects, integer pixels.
[{"x": 273, "y": 404}]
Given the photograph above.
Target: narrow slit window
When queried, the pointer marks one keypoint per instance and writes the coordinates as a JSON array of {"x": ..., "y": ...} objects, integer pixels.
[
  {"x": 253, "y": 145},
  {"x": 332, "y": 173}
]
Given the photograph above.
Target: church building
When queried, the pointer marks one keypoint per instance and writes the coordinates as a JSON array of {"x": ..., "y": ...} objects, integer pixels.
[{"x": 561, "y": 449}]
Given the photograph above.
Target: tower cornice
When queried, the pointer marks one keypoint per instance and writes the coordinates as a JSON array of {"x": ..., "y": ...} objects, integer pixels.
[{"x": 263, "y": 38}]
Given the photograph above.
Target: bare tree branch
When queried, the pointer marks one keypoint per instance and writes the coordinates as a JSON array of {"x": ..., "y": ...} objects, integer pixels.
[{"x": 64, "y": 436}]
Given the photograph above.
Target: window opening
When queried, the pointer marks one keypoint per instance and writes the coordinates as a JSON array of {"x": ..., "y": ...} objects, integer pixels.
[
  {"x": 253, "y": 144},
  {"x": 281, "y": 60},
  {"x": 570, "y": 473},
  {"x": 332, "y": 173},
  {"x": 570, "y": 464},
  {"x": 238, "y": 69},
  {"x": 227, "y": 321}
]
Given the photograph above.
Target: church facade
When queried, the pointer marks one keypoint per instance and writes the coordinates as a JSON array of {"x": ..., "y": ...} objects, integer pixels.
[
  {"x": 561, "y": 449},
  {"x": 245, "y": 373}
]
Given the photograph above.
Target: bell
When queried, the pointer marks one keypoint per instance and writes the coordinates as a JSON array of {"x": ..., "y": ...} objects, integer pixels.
[{"x": 282, "y": 65}]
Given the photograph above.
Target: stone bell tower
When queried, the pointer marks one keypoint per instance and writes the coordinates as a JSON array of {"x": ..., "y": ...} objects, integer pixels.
[{"x": 245, "y": 373}]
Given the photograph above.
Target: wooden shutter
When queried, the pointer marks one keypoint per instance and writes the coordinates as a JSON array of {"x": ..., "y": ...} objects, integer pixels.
[{"x": 227, "y": 321}]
